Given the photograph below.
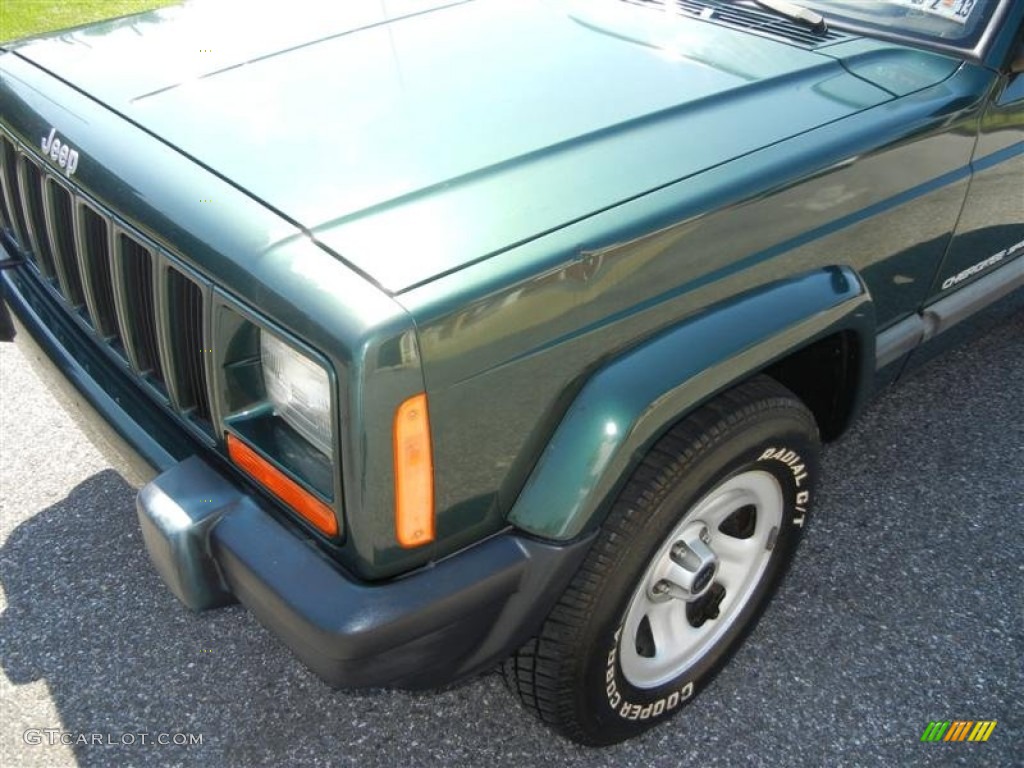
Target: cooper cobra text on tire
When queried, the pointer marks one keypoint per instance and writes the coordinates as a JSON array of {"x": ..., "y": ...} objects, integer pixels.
[{"x": 683, "y": 565}]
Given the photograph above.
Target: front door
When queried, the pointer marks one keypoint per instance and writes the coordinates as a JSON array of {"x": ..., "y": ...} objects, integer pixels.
[{"x": 990, "y": 232}]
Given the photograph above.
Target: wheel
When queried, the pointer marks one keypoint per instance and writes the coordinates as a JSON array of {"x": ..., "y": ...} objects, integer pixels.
[{"x": 680, "y": 570}]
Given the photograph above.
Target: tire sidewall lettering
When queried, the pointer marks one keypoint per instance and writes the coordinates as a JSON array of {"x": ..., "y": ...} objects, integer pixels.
[
  {"x": 795, "y": 474},
  {"x": 630, "y": 710}
]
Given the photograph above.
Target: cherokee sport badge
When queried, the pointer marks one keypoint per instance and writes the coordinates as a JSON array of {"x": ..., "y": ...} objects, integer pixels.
[{"x": 60, "y": 153}]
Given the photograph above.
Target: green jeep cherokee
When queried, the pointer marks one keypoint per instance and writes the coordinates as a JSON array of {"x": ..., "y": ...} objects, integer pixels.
[{"x": 447, "y": 333}]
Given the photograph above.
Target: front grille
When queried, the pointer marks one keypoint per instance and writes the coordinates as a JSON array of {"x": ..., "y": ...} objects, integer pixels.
[
  {"x": 136, "y": 300},
  {"x": 758, "y": 21}
]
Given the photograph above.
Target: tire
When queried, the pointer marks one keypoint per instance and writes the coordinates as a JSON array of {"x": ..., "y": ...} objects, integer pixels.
[{"x": 705, "y": 525}]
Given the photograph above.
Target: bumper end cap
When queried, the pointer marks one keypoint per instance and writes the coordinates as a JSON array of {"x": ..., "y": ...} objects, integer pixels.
[{"x": 177, "y": 512}]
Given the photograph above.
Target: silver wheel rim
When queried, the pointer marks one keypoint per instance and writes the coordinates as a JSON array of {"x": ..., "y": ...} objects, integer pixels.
[{"x": 712, "y": 561}]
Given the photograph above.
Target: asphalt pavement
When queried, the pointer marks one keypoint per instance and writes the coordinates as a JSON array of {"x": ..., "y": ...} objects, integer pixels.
[{"x": 905, "y": 605}]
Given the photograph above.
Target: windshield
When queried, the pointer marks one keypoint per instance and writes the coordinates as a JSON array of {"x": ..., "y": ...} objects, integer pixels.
[{"x": 956, "y": 22}]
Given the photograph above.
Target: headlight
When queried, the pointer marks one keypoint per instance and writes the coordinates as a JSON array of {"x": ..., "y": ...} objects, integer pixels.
[{"x": 300, "y": 391}]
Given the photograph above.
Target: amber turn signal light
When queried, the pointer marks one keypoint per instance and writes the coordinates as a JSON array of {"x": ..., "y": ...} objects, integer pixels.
[
  {"x": 282, "y": 486},
  {"x": 414, "y": 474}
]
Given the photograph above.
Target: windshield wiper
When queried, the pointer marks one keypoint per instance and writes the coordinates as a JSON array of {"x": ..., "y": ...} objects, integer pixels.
[{"x": 796, "y": 12}]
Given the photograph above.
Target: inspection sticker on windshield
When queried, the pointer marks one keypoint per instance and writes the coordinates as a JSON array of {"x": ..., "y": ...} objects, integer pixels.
[{"x": 954, "y": 10}]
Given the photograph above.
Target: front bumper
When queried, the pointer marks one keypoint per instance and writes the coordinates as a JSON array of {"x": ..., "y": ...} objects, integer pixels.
[{"x": 214, "y": 543}]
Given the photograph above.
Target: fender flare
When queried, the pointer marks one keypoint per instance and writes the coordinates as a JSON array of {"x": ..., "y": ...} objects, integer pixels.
[{"x": 630, "y": 402}]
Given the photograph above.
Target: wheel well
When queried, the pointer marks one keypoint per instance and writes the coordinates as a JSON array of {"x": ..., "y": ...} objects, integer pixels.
[{"x": 824, "y": 376}]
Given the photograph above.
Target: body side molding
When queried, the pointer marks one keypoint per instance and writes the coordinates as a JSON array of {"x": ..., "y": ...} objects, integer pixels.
[
  {"x": 952, "y": 309},
  {"x": 898, "y": 340},
  {"x": 902, "y": 338}
]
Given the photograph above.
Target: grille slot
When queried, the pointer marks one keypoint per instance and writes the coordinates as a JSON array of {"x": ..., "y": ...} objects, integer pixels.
[
  {"x": 754, "y": 20},
  {"x": 12, "y": 192},
  {"x": 94, "y": 248},
  {"x": 140, "y": 307},
  {"x": 5, "y": 215},
  {"x": 186, "y": 318},
  {"x": 61, "y": 229},
  {"x": 35, "y": 217},
  {"x": 5, "y": 223}
]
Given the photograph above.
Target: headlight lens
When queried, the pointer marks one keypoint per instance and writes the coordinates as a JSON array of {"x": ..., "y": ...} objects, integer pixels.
[{"x": 299, "y": 390}]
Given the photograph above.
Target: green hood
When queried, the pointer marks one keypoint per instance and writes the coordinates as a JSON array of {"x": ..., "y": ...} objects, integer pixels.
[{"x": 415, "y": 137}]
